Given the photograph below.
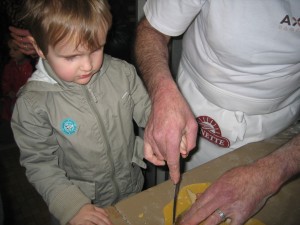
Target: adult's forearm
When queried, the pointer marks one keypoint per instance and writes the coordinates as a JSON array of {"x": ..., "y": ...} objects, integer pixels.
[
  {"x": 290, "y": 154},
  {"x": 282, "y": 164},
  {"x": 152, "y": 57}
]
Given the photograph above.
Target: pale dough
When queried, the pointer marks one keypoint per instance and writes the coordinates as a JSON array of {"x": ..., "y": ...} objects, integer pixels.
[{"x": 186, "y": 197}]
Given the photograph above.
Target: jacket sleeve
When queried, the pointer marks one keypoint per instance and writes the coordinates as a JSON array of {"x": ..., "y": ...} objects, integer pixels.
[
  {"x": 139, "y": 94},
  {"x": 38, "y": 148},
  {"x": 141, "y": 111}
]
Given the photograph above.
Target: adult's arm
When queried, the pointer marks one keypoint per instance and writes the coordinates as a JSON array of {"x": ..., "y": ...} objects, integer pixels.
[
  {"x": 171, "y": 128},
  {"x": 242, "y": 191}
]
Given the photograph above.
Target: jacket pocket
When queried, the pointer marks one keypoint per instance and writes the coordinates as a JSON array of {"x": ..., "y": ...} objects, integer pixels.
[{"x": 88, "y": 188}]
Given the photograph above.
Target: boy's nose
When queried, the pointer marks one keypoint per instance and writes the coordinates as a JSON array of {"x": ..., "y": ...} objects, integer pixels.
[{"x": 87, "y": 64}]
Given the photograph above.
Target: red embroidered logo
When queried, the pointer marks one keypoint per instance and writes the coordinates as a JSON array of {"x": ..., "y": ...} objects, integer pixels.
[{"x": 211, "y": 131}]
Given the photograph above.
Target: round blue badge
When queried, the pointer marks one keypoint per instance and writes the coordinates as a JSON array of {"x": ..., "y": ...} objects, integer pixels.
[{"x": 68, "y": 126}]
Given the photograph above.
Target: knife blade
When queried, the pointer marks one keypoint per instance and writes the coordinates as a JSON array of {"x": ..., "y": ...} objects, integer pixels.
[{"x": 176, "y": 190}]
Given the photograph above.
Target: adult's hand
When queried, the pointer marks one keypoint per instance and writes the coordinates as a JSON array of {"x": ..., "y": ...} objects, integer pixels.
[
  {"x": 171, "y": 130},
  {"x": 90, "y": 215},
  {"x": 240, "y": 192},
  {"x": 20, "y": 37}
]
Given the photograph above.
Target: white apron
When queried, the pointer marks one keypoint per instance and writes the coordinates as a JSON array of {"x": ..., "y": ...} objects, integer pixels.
[{"x": 223, "y": 131}]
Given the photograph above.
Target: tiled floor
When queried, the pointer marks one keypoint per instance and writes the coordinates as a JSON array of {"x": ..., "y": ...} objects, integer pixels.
[{"x": 22, "y": 205}]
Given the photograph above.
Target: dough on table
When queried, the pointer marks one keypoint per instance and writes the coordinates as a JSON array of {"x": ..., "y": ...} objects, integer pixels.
[{"x": 186, "y": 197}]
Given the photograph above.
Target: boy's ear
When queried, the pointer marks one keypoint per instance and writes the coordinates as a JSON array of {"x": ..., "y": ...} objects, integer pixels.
[{"x": 37, "y": 49}]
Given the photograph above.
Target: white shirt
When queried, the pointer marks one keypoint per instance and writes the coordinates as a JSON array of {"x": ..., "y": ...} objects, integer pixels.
[{"x": 245, "y": 52}]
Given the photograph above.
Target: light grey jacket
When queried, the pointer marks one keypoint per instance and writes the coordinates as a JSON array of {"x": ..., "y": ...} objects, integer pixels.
[{"x": 77, "y": 142}]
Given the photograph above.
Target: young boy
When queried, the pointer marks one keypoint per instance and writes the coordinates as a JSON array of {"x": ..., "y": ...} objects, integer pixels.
[{"x": 73, "y": 119}]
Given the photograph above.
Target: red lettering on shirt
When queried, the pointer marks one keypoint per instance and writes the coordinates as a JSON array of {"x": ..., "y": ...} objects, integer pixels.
[{"x": 211, "y": 131}]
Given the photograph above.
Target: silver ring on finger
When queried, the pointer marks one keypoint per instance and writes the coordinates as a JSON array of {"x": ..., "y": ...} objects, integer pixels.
[{"x": 221, "y": 214}]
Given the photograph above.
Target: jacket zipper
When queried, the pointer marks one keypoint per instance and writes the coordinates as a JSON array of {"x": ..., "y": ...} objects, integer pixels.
[{"x": 91, "y": 99}]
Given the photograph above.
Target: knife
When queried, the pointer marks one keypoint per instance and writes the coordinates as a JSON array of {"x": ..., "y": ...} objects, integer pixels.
[
  {"x": 176, "y": 190},
  {"x": 175, "y": 200}
]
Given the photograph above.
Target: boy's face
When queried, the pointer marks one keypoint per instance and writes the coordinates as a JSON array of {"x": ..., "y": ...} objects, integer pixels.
[{"x": 73, "y": 64}]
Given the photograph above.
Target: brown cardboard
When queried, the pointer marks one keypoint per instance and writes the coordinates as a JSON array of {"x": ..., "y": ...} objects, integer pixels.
[{"x": 146, "y": 208}]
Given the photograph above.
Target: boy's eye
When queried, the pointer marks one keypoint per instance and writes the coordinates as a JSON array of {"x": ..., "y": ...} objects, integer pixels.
[{"x": 70, "y": 58}]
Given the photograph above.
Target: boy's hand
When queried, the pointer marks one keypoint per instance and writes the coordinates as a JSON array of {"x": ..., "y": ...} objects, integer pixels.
[{"x": 90, "y": 215}]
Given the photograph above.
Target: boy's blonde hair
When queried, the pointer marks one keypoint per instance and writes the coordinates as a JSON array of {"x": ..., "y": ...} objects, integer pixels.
[{"x": 84, "y": 21}]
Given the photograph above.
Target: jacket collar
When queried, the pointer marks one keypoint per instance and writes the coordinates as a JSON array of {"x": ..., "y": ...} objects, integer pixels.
[{"x": 45, "y": 73}]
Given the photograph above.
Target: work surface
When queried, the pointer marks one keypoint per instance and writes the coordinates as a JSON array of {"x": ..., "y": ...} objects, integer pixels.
[{"x": 146, "y": 208}]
